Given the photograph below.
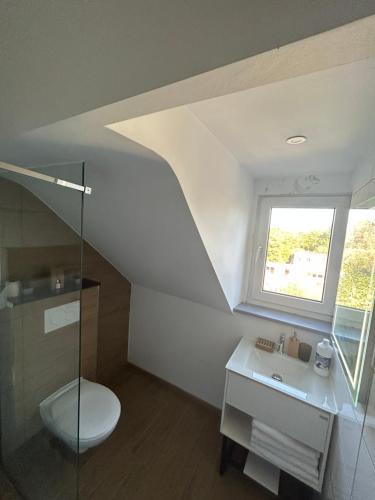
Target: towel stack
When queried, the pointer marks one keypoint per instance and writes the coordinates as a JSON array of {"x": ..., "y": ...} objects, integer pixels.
[{"x": 286, "y": 453}]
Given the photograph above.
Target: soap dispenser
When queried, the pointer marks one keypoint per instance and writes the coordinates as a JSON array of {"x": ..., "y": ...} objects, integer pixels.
[{"x": 293, "y": 345}]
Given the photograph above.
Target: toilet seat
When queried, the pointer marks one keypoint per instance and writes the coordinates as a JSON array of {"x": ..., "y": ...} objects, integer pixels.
[{"x": 99, "y": 413}]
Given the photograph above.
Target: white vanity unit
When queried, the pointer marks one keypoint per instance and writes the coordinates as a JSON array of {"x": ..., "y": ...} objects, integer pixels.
[{"x": 296, "y": 402}]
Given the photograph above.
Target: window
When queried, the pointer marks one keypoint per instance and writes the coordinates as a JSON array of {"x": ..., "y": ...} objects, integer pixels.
[{"x": 298, "y": 248}]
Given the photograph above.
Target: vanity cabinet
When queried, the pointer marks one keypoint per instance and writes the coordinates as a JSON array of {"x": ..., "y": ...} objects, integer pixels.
[
  {"x": 246, "y": 399},
  {"x": 288, "y": 415}
]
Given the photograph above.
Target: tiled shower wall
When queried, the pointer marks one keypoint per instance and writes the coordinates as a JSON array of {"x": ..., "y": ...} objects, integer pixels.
[
  {"x": 113, "y": 319},
  {"x": 32, "y": 364},
  {"x": 350, "y": 473},
  {"x": 364, "y": 480}
]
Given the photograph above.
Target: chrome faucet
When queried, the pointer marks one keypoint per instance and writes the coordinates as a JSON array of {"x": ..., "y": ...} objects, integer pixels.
[{"x": 280, "y": 346}]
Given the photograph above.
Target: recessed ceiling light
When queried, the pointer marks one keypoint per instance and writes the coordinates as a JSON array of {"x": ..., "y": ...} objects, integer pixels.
[{"x": 296, "y": 139}]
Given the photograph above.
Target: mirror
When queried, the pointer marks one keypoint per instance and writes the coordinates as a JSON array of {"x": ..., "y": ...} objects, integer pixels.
[{"x": 355, "y": 293}]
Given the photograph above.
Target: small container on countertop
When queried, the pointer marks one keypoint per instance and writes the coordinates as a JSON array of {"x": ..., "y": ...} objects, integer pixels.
[
  {"x": 304, "y": 352},
  {"x": 13, "y": 289},
  {"x": 293, "y": 346}
]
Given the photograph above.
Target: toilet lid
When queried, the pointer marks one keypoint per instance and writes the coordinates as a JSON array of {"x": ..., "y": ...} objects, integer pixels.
[{"x": 99, "y": 411}]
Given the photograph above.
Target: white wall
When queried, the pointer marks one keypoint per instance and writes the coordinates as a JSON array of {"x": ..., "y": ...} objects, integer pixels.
[
  {"x": 218, "y": 190},
  {"x": 305, "y": 184},
  {"x": 364, "y": 172},
  {"x": 188, "y": 344}
]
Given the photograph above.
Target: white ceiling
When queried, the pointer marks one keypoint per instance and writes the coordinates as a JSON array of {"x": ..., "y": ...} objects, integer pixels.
[{"x": 334, "y": 108}]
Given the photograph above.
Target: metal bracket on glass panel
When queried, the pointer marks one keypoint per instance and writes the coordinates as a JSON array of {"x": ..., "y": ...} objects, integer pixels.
[{"x": 43, "y": 177}]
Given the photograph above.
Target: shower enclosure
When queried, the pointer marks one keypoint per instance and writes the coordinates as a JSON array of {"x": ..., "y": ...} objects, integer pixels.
[{"x": 40, "y": 287}]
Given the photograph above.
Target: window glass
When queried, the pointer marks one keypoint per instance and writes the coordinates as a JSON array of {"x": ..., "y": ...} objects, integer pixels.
[{"x": 297, "y": 252}]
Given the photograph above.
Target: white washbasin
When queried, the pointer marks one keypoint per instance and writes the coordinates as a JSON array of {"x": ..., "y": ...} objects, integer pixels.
[{"x": 291, "y": 376}]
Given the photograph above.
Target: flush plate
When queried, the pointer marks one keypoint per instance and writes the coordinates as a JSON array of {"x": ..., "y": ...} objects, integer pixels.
[{"x": 60, "y": 316}]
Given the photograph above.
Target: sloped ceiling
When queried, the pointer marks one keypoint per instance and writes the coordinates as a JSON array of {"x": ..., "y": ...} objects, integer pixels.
[
  {"x": 137, "y": 216},
  {"x": 59, "y": 59},
  {"x": 218, "y": 190}
]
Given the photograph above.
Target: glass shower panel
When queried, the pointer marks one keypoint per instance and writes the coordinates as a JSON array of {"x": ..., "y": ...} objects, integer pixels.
[{"x": 40, "y": 285}]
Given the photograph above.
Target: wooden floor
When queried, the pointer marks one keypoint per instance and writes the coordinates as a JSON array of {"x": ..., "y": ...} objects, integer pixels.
[
  {"x": 166, "y": 447},
  {"x": 7, "y": 491}
]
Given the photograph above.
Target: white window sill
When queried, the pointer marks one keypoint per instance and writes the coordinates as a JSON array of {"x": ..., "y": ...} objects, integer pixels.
[{"x": 313, "y": 325}]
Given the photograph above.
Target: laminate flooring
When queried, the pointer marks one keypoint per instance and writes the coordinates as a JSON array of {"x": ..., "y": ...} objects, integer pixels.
[
  {"x": 7, "y": 491},
  {"x": 165, "y": 447}
]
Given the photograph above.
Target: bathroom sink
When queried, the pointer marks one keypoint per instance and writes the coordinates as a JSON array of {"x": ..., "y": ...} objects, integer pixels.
[
  {"x": 280, "y": 371},
  {"x": 283, "y": 373}
]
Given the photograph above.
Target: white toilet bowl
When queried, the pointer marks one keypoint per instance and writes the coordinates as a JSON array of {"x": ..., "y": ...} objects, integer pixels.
[{"x": 99, "y": 413}]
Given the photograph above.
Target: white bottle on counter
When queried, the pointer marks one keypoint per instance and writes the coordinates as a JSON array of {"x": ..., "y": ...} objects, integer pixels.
[{"x": 323, "y": 356}]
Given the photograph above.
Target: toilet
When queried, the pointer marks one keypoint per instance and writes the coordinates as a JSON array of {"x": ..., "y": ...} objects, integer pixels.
[{"x": 100, "y": 411}]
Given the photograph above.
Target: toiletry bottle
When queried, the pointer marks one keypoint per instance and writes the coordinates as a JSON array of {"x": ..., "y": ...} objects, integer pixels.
[
  {"x": 324, "y": 353},
  {"x": 293, "y": 345},
  {"x": 58, "y": 285}
]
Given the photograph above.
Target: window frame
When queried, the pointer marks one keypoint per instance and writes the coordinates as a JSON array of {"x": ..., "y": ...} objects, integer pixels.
[{"x": 306, "y": 307}]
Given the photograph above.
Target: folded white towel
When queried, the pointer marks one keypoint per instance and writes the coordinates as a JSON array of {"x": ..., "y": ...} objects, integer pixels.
[
  {"x": 286, "y": 441},
  {"x": 268, "y": 441},
  {"x": 302, "y": 476},
  {"x": 311, "y": 470}
]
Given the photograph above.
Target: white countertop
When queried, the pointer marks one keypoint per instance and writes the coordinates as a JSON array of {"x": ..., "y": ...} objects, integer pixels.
[{"x": 299, "y": 379}]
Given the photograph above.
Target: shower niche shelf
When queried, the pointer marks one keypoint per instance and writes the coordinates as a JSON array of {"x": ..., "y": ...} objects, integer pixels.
[{"x": 44, "y": 293}]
